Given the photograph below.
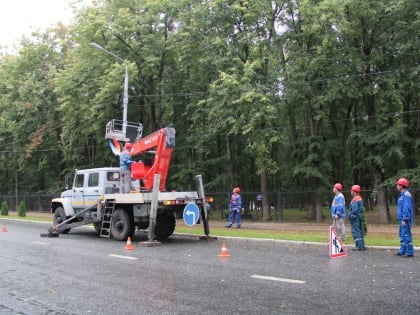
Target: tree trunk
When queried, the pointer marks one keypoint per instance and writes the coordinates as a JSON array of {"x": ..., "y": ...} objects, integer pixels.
[
  {"x": 264, "y": 192},
  {"x": 318, "y": 206},
  {"x": 229, "y": 166},
  {"x": 382, "y": 200},
  {"x": 310, "y": 205},
  {"x": 16, "y": 190}
]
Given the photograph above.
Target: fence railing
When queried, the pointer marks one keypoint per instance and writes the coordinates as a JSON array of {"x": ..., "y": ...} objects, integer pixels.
[
  {"x": 277, "y": 200},
  {"x": 39, "y": 203}
]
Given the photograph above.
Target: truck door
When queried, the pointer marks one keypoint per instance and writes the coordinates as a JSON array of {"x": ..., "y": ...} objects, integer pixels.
[
  {"x": 77, "y": 201},
  {"x": 92, "y": 191}
]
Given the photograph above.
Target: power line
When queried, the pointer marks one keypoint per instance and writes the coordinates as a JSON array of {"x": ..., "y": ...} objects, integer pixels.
[
  {"x": 365, "y": 118},
  {"x": 287, "y": 83}
]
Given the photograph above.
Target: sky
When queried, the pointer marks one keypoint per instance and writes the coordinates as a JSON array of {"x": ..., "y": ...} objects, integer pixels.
[{"x": 18, "y": 17}]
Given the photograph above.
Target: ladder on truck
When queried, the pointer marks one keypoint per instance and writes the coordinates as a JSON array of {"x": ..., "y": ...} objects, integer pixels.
[{"x": 107, "y": 219}]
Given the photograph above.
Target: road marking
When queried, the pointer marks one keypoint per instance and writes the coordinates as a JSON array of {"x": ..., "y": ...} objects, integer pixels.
[
  {"x": 278, "y": 279},
  {"x": 40, "y": 243},
  {"x": 123, "y": 257}
]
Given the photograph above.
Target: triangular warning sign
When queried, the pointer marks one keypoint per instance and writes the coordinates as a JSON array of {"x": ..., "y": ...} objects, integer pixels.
[{"x": 336, "y": 247}]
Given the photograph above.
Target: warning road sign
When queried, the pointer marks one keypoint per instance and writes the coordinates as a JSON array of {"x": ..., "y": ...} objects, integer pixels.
[{"x": 336, "y": 247}]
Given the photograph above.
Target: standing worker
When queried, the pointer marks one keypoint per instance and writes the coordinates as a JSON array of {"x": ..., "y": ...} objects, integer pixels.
[
  {"x": 235, "y": 207},
  {"x": 405, "y": 217},
  {"x": 125, "y": 168},
  {"x": 355, "y": 217},
  {"x": 338, "y": 211}
]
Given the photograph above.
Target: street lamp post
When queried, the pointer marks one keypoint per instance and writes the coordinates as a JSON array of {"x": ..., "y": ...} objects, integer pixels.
[{"x": 125, "y": 93}]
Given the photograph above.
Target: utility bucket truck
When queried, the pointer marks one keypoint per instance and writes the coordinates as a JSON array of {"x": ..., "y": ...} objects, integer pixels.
[{"x": 95, "y": 198}]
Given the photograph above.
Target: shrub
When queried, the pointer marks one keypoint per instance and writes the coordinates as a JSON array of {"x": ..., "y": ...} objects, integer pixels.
[
  {"x": 21, "y": 209},
  {"x": 4, "y": 208}
]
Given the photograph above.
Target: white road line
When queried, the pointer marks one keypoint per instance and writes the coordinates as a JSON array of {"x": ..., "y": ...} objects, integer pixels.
[
  {"x": 278, "y": 279},
  {"x": 123, "y": 257},
  {"x": 40, "y": 243}
]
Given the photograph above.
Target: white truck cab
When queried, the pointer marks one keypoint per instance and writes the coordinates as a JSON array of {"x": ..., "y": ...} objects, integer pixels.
[{"x": 87, "y": 187}]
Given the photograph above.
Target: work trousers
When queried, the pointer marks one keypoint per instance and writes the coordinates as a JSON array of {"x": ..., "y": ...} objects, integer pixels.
[
  {"x": 406, "y": 239},
  {"x": 125, "y": 182},
  {"x": 338, "y": 225},
  {"x": 357, "y": 233}
]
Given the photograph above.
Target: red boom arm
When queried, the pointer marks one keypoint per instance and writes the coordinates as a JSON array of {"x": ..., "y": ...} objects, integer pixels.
[{"x": 160, "y": 144}]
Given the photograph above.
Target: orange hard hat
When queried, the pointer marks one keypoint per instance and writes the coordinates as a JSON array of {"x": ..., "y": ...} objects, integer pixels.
[
  {"x": 356, "y": 188},
  {"x": 338, "y": 186},
  {"x": 403, "y": 182}
]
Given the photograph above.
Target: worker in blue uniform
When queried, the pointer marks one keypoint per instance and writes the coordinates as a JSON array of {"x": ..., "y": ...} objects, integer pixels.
[
  {"x": 338, "y": 211},
  {"x": 405, "y": 215},
  {"x": 355, "y": 217},
  {"x": 235, "y": 207}
]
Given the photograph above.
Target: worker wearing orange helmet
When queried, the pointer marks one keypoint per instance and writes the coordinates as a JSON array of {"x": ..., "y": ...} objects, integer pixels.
[
  {"x": 355, "y": 217},
  {"x": 235, "y": 208},
  {"x": 338, "y": 211},
  {"x": 125, "y": 169},
  {"x": 405, "y": 216}
]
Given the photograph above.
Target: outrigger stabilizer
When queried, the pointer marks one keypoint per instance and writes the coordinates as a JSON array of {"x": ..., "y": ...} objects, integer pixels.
[{"x": 55, "y": 230}]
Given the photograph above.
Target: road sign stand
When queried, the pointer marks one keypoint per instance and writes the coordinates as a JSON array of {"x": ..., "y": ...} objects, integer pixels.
[{"x": 336, "y": 247}]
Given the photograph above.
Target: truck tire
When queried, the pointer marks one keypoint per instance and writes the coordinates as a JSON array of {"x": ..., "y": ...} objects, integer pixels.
[
  {"x": 165, "y": 225},
  {"x": 60, "y": 216},
  {"x": 122, "y": 225}
]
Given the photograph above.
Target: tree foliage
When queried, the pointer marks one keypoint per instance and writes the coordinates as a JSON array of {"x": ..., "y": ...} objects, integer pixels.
[{"x": 272, "y": 95}]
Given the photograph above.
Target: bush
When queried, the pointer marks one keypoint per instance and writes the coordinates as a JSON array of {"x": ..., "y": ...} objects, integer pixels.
[
  {"x": 21, "y": 209},
  {"x": 4, "y": 208}
]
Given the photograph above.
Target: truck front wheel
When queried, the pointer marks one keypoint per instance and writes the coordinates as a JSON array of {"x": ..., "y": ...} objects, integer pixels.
[
  {"x": 165, "y": 225},
  {"x": 59, "y": 217},
  {"x": 122, "y": 226}
]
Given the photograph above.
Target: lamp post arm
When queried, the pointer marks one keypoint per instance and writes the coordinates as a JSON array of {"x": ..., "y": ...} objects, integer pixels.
[{"x": 125, "y": 93}]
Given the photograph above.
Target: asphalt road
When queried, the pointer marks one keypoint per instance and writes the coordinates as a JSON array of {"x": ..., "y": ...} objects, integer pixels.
[{"x": 80, "y": 273}]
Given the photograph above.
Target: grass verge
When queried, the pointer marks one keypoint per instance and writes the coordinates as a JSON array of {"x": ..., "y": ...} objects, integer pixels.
[{"x": 302, "y": 236}]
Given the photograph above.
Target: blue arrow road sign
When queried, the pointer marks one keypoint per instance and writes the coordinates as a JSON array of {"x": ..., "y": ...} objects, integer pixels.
[{"x": 191, "y": 214}]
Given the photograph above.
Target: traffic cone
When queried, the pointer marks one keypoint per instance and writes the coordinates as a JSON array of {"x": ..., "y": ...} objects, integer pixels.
[
  {"x": 224, "y": 252},
  {"x": 4, "y": 229},
  {"x": 128, "y": 246}
]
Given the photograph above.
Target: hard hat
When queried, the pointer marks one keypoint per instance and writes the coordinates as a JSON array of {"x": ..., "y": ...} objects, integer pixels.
[
  {"x": 356, "y": 188},
  {"x": 236, "y": 190},
  {"x": 403, "y": 182},
  {"x": 128, "y": 145},
  {"x": 338, "y": 186}
]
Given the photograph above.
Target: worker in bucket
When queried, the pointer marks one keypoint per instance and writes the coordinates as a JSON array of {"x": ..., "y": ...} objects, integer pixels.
[
  {"x": 235, "y": 207},
  {"x": 338, "y": 211},
  {"x": 125, "y": 168}
]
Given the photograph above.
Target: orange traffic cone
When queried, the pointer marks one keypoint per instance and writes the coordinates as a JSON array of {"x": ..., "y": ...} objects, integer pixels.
[
  {"x": 4, "y": 229},
  {"x": 128, "y": 246},
  {"x": 224, "y": 252}
]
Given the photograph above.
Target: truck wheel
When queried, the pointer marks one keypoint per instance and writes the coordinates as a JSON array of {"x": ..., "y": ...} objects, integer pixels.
[
  {"x": 60, "y": 216},
  {"x": 122, "y": 226},
  {"x": 165, "y": 225}
]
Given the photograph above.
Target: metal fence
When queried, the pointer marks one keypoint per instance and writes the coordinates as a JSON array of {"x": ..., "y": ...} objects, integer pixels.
[
  {"x": 39, "y": 203},
  {"x": 296, "y": 200},
  {"x": 277, "y": 200}
]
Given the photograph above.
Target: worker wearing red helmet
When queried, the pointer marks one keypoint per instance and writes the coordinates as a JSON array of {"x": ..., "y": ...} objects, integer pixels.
[
  {"x": 338, "y": 211},
  {"x": 355, "y": 217},
  {"x": 235, "y": 208},
  {"x": 125, "y": 169},
  {"x": 405, "y": 216}
]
